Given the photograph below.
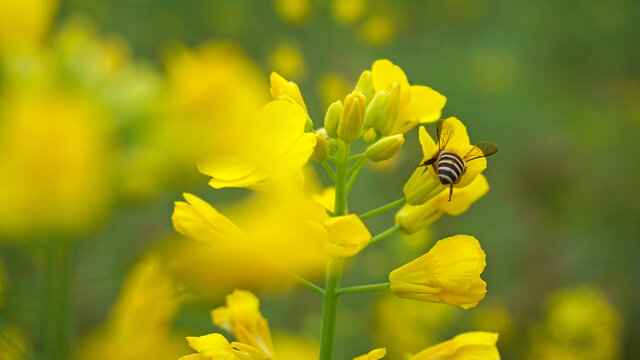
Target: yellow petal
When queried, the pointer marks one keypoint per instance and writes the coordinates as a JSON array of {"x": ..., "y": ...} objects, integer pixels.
[
  {"x": 347, "y": 235},
  {"x": 464, "y": 197},
  {"x": 326, "y": 198},
  {"x": 200, "y": 221},
  {"x": 459, "y": 141},
  {"x": 448, "y": 273},
  {"x": 280, "y": 86},
  {"x": 429, "y": 147},
  {"x": 375, "y": 354},
  {"x": 385, "y": 74},
  {"x": 426, "y": 104},
  {"x": 472, "y": 345},
  {"x": 212, "y": 346}
]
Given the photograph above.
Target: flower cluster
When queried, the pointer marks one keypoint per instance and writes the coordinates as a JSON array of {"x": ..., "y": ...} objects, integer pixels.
[{"x": 288, "y": 227}]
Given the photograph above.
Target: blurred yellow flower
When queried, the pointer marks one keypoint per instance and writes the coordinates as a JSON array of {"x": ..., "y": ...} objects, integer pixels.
[
  {"x": 424, "y": 182},
  {"x": 270, "y": 233},
  {"x": 415, "y": 327},
  {"x": 326, "y": 198},
  {"x": 418, "y": 104},
  {"x": 449, "y": 273},
  {"x": 496, "y": 318},
  {"x": 200, "y": 221},
  {"x": 580, "y": 323},
  {"x": 413, "y": 218},
  {"x": 332, "y": 86},
  {"x": 271, "y": 147},
  {"x": 294, "y": 347},
  {"x": 216, "y": 347},
  {"x": 24, "y": 23},
  {"x": 288, "y": 60},
  {"x": 13, "y": 345},
  {"x": 378, "y": 29},
  {"x": 375, "y": 354},
  {"x": 241, "y": 316},
  {"x": 348, "y": 11},
  {"x": 56, "y": 161},
  {"x": 140, "y": 323},
  {"x": 347, "y": 235},
  {"x": 293, "y": 11},
  {"x": 472, "y": 345}
]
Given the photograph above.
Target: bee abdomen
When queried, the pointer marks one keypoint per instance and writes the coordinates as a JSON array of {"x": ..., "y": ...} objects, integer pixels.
[{"x": 450, "y": 167}]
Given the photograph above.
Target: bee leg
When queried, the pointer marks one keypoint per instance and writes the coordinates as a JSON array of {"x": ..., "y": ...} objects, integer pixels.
[
  {"x": 426, "y": 164},
  {"x": 450, "y": 191}
]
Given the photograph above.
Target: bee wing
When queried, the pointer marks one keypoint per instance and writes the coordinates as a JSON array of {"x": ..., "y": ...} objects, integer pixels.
[
  {"x": 481, "y": 149},
  {"x": 444, "y": 131}
]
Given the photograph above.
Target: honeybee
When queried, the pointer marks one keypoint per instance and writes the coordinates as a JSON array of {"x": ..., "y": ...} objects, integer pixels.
[{"x": 449, "y": 165}]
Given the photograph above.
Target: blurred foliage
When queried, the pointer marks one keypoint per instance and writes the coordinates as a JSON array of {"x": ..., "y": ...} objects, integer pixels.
[{"x": 555, "y": 83}]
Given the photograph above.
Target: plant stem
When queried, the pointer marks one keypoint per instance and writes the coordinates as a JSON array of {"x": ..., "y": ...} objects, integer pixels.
[
  {"x": 57, "y": 299},
  {"x": 355, "y": 172},
  {"x": 359, "y": 288},
  {"x": 329, "y": 170},
  {"x": 383, "y": 208},
  {"x": 308, "y": 283},
  {"x": 357, "y": 157},
  {"x": 335, "y": 265},
  {"x": 385, "y": 234}
]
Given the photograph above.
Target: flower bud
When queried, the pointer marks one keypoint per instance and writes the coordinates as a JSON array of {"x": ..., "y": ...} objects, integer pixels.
[
  {"x": 421, "y": 186},
  {"x": 385, "y": 148},
  {"x": 332, "y": 118},
  {"x": 352, "y": 119},
  {"x": 365, "y": 85},
  {"x": 369, "y": 135},
  {"x": 321, "y": 150},
  {"x": 376, "y": 109},
  {"x": 449, "y": 273},
  {"x": 283, "y": 89},
  {"x": 388, "y": 120}
]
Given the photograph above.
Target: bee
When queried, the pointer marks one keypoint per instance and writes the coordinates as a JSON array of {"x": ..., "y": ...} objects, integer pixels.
[{"x": 450, "y": 166}]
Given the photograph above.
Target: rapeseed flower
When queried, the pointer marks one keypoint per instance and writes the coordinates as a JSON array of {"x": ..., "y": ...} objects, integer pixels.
[
  {"x": 418, "y": 104},
  {"x": 449, "y": 273},
  {"x": 288, "y": 60},
  {"x": 424, "y": 182},
  {"x": 24, "y": 24},
  {"x": 413, "y": 218},
  {"x": 293, "y": 11},
  {"x": 472, "y": 345}
]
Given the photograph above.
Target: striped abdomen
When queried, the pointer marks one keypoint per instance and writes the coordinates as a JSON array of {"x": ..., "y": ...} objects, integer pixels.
[{"x": 450, "y": 167}]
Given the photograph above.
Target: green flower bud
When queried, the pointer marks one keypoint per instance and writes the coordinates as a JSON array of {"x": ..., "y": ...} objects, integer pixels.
[
  {"x": 376, "y": 109},
  {"x": 365, "y": 85},
  {"x": 332, "y": 118},
  {"x": 352, "y": 119},
  {"x": 388, "y": 121},
  {"x": 369, "y": 135},
  {"x": 321, "y": 150},
  {"x": 385, "y": 148}
]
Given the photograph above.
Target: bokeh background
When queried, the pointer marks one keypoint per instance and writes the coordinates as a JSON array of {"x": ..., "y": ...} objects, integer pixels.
[{"x": 104, "y": 107}]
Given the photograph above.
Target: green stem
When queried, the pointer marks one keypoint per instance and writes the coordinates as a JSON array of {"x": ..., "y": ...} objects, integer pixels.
[
  {"x": 355, "y": 172},
  {"x": 57, "y": 299},
  {"x": 357, "y": 157},
  {"x": 359, "y": 288},
  {"x": 329, "y": 170},
  {"x": 335, "y": 265},
  {"x": 383, "y": 208},
  {"x": 308, "y": 284},
  {"x": 385, "y": 234}
]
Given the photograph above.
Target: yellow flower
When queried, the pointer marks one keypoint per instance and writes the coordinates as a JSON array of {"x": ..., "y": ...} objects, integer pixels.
[
  {"x": 200, "y": 221},
  {"x": 424, "y": 182},
  {"x": 472, "y": 345},
  {"x": 293, "y": 347},
  {"x": 418, "y": 104},
  {"x": 270, "y": 233},
  {"x": 413, "y": 218},
  {"x": 449, "y": 273},
  {"x": 243, "y": 319},
  {"x": 348, "y": 11},
  {"x": 580, "y": 323},
  {"x": 293, "y": 11},
  {"x": 273, "y": 147},
  {"x": 378, "y": 29},
  {"x": 57, "y": 161},
  {"x": 375, "y": 354},
  {"x": 216, "y": 347},
  {"x": 326, "y": 198},
  {"x": 25, "y": 23},
  {"x": 347, "y": 235},
  {"x": 332, "y": 86},
  {"x": 283, "y": 89},
  {"x": 288, "y": 60},
  {"x": 140, "y": 323}
]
